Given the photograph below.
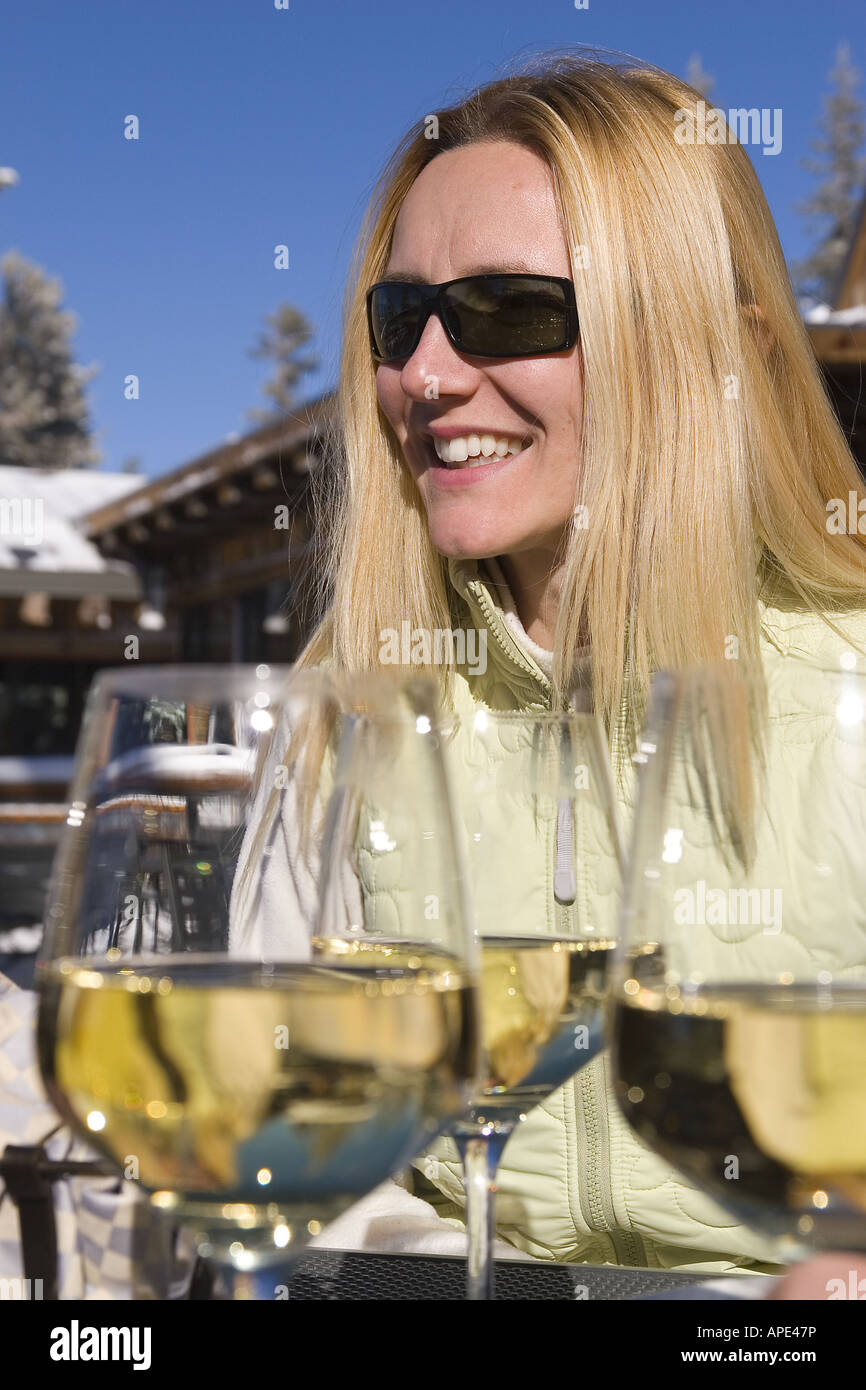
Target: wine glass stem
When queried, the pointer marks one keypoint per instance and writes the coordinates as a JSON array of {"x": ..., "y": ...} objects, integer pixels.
[{"x": 480, "y": 1154}]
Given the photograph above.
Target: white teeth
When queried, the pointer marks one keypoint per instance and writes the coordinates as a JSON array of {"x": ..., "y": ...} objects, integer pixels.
[{"x": 475, "y": 448}]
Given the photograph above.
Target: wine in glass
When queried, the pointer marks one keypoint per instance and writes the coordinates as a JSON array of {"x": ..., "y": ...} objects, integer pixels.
[
  {"x": 739, "y": 1007},
  {"x": 535, "y": 799},
  {"x": 188, "y": 1028}
]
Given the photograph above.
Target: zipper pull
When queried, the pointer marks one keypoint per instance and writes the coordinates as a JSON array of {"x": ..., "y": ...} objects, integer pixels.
[{"x": 564, "y": 881}]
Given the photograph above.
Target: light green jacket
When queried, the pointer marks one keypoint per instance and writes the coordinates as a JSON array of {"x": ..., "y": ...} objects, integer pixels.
[{"x": 576, "y": 1184}]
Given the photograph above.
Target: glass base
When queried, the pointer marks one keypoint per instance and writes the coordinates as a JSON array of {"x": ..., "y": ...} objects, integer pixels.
[{"x": 245, "y": 1236}]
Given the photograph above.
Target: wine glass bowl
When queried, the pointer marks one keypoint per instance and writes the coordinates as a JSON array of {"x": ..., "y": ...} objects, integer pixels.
[
  {"x": 190, "y": 1027},
  {"x": 739, "y": 1005},
  {"x": 537, "y": 813}
]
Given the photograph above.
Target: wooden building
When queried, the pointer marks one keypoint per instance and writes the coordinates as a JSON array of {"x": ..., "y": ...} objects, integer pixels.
[
  {"x": 223, "y": 546},
  {"x": 838, "y": 336},
  {"x": 206, "y": 564},
  {"x": 59, "y": 599}
]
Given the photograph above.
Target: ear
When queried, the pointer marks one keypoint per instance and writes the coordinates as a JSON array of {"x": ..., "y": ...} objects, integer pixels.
[{"x": 758, "y": 319}]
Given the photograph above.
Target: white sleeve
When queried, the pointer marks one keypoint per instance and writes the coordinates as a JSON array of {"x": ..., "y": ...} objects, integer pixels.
[
  {"x": 274, "y": 905},
  {"x": 274, "y": 900},
  {"x": 110, "y": 1241},
  {"x": 391, "y": 1219}
]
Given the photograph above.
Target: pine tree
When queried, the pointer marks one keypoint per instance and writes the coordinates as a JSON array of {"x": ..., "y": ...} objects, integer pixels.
[
  {"x": 288, "y": 331},
  {"x": 834, "y": 205},
  {"x": 44, "y": 421}
]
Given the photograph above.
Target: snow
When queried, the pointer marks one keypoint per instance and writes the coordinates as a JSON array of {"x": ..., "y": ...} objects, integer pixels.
[
  {"x": 190, "y": 482},
  {"x": 41, "y": 768},
  {"x": 822, "y": 313},
  {"x": 39, "y": 509},
  {"x": 68, "y": 492}
]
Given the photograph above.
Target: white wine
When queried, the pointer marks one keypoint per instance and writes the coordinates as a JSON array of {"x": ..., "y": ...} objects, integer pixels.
[
  {"x": 295, "y": 1088},
  {"x": 757, "y": 1092},
  {"x": 542, "y": 1014}
]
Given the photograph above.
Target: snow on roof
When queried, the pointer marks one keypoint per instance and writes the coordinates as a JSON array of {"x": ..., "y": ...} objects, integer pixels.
[
  {"x": 39, "y": 508},
  {"x": 46, "y": 544},
  {"x": 68, "y": 492}
]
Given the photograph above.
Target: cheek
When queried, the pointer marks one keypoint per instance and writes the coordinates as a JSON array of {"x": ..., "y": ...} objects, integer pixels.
[
  {"x": 547, "y": 391},
  {"x": 390, "y": 395}
]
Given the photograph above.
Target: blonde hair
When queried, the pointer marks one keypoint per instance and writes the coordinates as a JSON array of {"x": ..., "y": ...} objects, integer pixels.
[
  {"x": 709, "y": 445},
  {"x": 710, "y": 449}
]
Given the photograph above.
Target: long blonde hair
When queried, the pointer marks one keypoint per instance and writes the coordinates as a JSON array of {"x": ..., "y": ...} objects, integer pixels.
[{"x": 709, "y": 445}]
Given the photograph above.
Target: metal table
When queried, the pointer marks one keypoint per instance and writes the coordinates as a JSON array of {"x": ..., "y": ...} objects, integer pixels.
[{"x": 356, "y": 1275}]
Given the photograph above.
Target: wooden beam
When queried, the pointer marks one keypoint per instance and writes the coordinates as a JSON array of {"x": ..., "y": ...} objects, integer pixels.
[
  {"x": 838, "y": 343},
  {"x": 228, "y": 495}
]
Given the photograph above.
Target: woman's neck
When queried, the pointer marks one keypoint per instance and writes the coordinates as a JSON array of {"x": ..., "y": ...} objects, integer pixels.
[{"x": 535, "y": 581}]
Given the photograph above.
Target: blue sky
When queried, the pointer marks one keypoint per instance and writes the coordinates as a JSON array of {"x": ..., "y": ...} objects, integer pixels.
[{"x": 261, "y": 126}]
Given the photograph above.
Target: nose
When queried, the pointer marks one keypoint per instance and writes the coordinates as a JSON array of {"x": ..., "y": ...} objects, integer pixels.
[{"x": 436, "y": 363}]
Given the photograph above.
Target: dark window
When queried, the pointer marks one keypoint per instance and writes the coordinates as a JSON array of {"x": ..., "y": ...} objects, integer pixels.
[
  {"x": 40, "y": 708},
  {"x": 196, "y": 633}
]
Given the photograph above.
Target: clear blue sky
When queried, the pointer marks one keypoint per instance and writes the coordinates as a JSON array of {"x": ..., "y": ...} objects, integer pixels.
[{"x": 262, "y": 126}]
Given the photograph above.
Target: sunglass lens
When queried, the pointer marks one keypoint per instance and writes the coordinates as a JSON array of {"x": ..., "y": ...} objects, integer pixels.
[
  {"x": 508, "y": 317},
  {"x": 394, "y": 312}
]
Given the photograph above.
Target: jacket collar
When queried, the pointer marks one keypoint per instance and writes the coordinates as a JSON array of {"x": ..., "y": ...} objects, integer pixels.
[{"x": 512, "y": 663}]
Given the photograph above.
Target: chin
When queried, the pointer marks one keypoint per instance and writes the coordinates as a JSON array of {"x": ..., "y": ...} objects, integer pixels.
[
  {"x": 468, "y": 547},
  {"x": 468, "y": 536}
]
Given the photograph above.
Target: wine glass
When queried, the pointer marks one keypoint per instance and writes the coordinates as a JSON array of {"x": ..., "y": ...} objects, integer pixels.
[
  {"x": 253, "y": 1086},
  {"x": 536, "y": 804},
  {"x": 739, "y": 999}
]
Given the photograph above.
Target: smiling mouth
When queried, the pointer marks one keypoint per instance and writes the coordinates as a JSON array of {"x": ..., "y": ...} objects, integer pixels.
[{"x": 504, "y": 448}]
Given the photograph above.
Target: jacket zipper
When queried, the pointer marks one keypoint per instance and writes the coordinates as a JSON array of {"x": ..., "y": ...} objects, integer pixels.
[
  {"x": 564, "y": 887},
  {"x": 507, "y": 643},
  {"x": 564, "y": 884},
  {"x": 592, "y": 1125},
  {"x": 594, "y": 1135}
]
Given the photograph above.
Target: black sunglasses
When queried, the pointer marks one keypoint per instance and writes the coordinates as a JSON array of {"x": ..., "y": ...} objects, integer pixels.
[{"x": 483, "y": 315}]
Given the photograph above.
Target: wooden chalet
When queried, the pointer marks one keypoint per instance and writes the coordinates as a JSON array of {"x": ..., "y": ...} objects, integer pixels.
[
  {"x": 223, "y": 546},
  {"x": 838, "y": 336}
]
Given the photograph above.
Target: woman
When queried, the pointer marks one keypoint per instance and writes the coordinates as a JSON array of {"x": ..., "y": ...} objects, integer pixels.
[{"x": 660, "y": 456}]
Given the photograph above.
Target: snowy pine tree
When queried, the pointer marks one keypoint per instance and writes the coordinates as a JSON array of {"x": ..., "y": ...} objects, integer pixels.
[
  {"x": 834, "y": 205},
  {"x": 44, "y": 420}
]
